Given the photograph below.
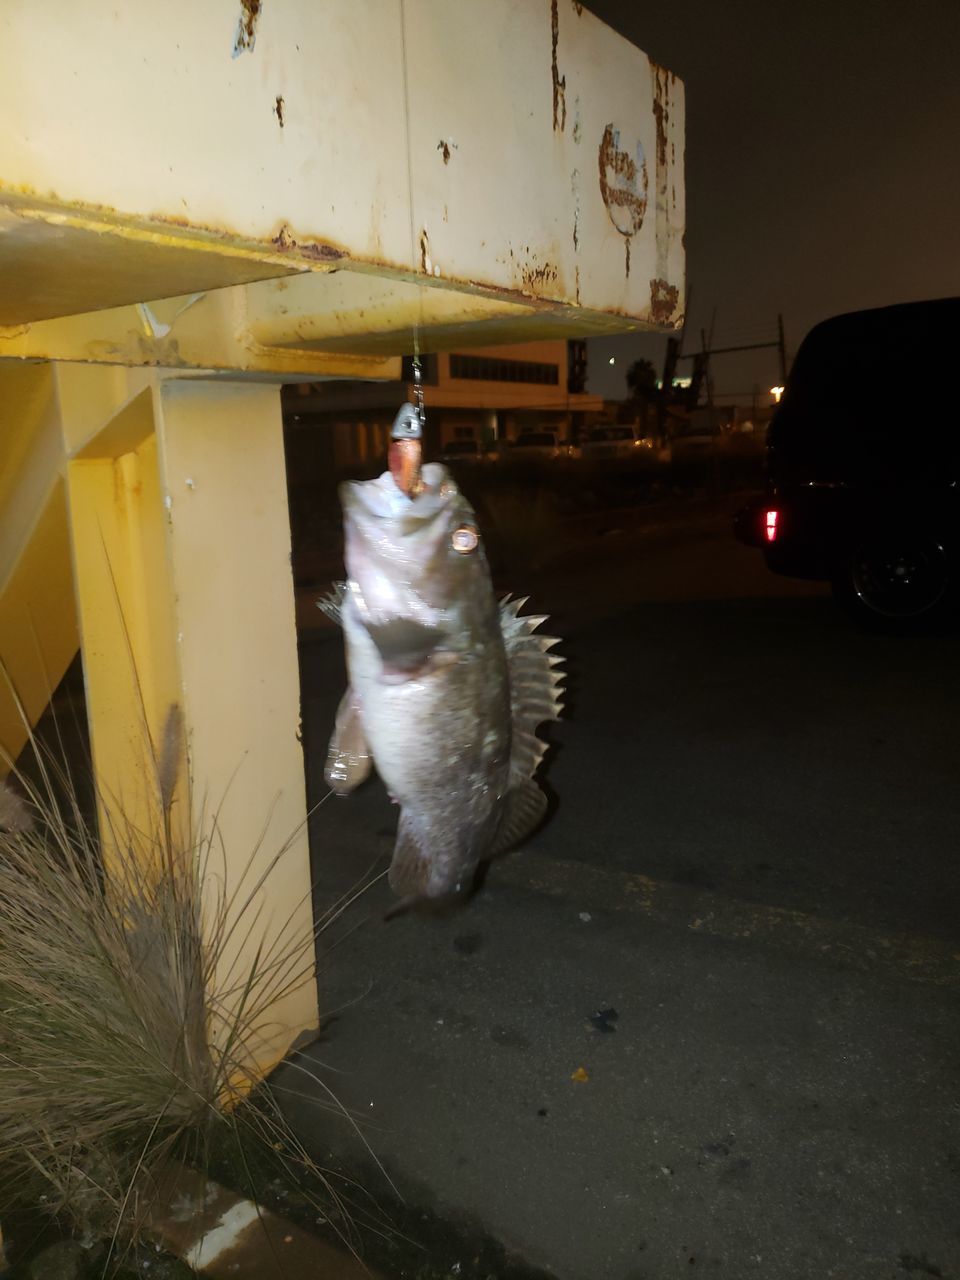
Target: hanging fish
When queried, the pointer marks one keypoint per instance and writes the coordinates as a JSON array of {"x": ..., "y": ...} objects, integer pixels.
[{"x": 447, "y": 688}]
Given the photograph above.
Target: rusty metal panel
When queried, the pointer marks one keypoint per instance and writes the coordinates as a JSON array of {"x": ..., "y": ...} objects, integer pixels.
[
  {"x": 563, "y": 178},
  {"x": 529, "y": 154}
]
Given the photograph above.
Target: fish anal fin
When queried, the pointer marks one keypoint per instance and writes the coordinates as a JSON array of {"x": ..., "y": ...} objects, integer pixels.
[
  {"x": 348, "y": 757},
  {"x": 409, "y": 867},
  {"x": 523, "y": 810}
]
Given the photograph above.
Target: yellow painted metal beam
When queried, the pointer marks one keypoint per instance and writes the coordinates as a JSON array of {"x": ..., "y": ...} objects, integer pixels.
[
  {"x": 93, "y": 259},
  {"x": 48, "y": 416},
  {"x": 124, "y": 600},
  {"x": 185, "y": 596},
  {"x": 202, "y": 333},
  {"x": 526, "y": 149},
  {"x": 38, "y": 626},
  {"x": 232, "y": 606},
  {"x": 344, "y": 324},
  {"x": 151, "y": 529},
  {"x": 38, "y": 630}
]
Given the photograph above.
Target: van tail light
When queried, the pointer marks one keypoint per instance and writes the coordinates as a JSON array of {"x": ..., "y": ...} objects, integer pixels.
[{"x": 770, "y": 520}]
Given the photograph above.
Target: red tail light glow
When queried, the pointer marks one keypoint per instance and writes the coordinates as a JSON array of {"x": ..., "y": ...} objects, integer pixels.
[{"x": 770, "y": 525}]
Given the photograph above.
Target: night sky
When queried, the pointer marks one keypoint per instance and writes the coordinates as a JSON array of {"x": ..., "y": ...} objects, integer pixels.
[{"x": 822, "y": 166}]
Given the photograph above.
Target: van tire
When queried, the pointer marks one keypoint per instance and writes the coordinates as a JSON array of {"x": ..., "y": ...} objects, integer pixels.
[{"x": 897, "y": 582}]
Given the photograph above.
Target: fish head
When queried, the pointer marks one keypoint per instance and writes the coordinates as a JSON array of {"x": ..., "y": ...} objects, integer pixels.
[{"x": 413, "y": 566}]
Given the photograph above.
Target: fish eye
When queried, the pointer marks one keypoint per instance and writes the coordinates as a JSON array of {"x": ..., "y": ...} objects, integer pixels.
[{"x": 465, "y": 539}]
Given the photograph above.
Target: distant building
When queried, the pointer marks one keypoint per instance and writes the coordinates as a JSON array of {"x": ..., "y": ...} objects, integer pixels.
[{"x": 488, "y": 394}]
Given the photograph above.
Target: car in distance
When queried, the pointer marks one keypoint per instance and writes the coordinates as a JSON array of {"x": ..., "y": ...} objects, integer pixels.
[
  {"x": 469, "y": 451},
  {"x": 614, "y": 440},
  {"x": 539, "y": 444},
  {"x": 863, "y": 466},
  {"x": 698, "y": 437}
]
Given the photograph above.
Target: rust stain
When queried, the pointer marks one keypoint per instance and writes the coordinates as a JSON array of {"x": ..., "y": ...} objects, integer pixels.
[
  {"x": 575, "y": 192},
  {"x": 446, "y": 149},
  {"x": 278, "y": 109},
  {"x": 425, "y": 265},
  {"x": 663, "y": 300},
  {"x": 547, "y": 306},
  {"x": 578, "y": 7},
  {"x": 247, "y": 26},
  {"x": 315, "y": 249},
  {"x": 623, "y": 182},
  {"x": 559, "y": 81},
  {"x": 662, "y": 83},
  {"x": 627, "y": 266},
  {"x": 535, "y": 278},
  {"x": 161, "y": 353}
]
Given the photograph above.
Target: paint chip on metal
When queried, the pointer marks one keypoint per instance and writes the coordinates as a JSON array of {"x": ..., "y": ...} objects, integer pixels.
[
  {"x": 559, "y": 81},
  {"x": 664, "y": 299},
  {"x": 246, "y": 36}
]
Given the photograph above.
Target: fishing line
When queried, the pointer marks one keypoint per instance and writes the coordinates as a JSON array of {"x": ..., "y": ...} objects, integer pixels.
[{"x": 417, "y": 368}]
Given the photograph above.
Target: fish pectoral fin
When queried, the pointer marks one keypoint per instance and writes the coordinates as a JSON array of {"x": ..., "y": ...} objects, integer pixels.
[
  {"x": 348, "y": 757},
  {"x": 524, "y": 807}
]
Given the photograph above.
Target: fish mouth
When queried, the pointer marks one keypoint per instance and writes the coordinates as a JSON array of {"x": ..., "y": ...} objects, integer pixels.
[{"x": 384, "y": 499}]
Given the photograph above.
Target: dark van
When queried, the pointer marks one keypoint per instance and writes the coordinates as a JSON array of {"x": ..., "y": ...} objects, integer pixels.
[{"x": 863, "y": 465}]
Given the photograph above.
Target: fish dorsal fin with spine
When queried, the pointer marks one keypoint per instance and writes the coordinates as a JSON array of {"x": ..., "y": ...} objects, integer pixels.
[{"x": 535, "y": 687}]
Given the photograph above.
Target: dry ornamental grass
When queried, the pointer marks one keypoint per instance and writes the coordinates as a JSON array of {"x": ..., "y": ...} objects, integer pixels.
[{"x": 121, "y": 1042}]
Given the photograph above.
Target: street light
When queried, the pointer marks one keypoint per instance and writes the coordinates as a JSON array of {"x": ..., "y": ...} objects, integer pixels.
[
  {"x": 776, "y": 392},
  {"x": 612, "y": 360}
]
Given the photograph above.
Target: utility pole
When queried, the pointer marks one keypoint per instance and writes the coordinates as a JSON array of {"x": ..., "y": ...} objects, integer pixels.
[
  {"x": 705, "y": 350},
  {"x": 701, "y": 359},
  {"x": 782, "y": 350}
]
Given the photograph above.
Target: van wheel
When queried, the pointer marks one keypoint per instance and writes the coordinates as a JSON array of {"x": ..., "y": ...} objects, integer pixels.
[{"x": 896, "y": 583}]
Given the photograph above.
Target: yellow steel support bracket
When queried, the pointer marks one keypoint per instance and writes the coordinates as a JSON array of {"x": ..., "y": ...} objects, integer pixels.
[{"x": 164, "y": 502}]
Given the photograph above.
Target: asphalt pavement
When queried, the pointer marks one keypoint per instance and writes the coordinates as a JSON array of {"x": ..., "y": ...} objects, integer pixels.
[{"x": 706, "y": 1021}]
